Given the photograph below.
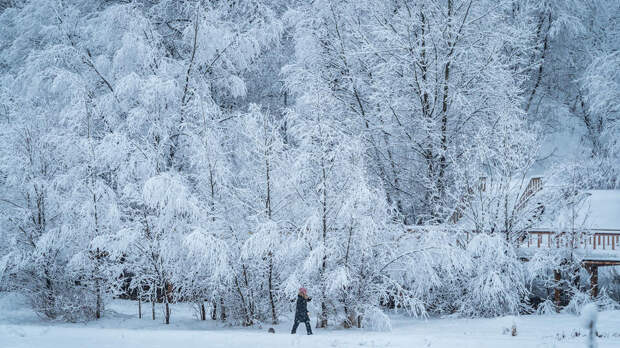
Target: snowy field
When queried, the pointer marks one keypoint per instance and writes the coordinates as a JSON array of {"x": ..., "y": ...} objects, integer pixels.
[{"x": 20, "y": 327}]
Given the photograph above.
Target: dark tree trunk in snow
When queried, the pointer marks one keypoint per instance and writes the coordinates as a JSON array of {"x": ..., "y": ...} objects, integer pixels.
[
  {"x": 323, "y": 316},
  {"x": 167, "y": 313},
  {"x": 594, "y": 281},
  {"x": 274, "y": 318},
  {"x": 99, "y": 301},
  {"x": 153, "y": 307},
  {"x": 244, "y": 306},
  {"x": 322, "y": 322},
  {"x": 557, "y": 291},
  {"x": 222, "y": 310}
]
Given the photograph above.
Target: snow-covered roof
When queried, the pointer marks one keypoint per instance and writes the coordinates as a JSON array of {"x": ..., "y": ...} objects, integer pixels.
[
  {"x": 604, "y": 206},
  {"x": 600, "y": 210}
]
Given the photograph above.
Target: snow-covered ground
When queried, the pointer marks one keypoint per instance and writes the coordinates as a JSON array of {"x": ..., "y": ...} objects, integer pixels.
[{"x": 20, "y": 327}]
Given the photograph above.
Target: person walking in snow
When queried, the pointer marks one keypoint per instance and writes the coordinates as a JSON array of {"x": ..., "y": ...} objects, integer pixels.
[{"x": 301, "y": 311}]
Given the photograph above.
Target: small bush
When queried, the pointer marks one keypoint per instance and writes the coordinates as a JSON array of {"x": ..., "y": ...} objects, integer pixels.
[{"x": 374, "y": 319}]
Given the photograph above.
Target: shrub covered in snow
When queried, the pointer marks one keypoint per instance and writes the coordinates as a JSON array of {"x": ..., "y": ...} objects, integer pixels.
[{"x": 375, "y": 319}]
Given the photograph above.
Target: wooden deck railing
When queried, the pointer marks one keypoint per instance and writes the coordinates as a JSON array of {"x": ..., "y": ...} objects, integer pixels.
[
  {"x": 533, "y": 187},
  {"x": 596, "y": 240}
]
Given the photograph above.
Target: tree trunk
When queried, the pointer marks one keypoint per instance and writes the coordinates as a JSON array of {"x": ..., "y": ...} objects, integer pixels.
[
  {"x": 350, "y": 318},
  {"x": 593, "y": 281},
  {"x": 248, "y": 320},
  {"x": 542, "y": 59},
  {"x": 274, "y": 318},
  {"x": 322, "y": 323},
  {"x": 557, "y": 291},
  {"x": 167, "y": 313},
  {"x": 222, "y": 310},
  {"x": 99, "y": 302},
  {"x": 203, "y": 312},
  {"x": 167, "y": 291},
  {"x": 139, "y": 307},
  {"x": 323, "y": 316}
]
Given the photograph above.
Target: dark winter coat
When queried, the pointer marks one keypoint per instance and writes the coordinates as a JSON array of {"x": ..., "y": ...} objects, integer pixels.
[{"x": 301, "y": 311}]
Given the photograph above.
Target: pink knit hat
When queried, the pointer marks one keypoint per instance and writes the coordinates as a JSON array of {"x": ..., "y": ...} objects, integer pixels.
[{"x": 303, "y": 290}]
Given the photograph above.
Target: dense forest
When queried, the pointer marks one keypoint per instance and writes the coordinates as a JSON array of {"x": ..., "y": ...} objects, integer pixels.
[{"x": 225, "y": 153}]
